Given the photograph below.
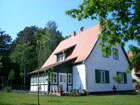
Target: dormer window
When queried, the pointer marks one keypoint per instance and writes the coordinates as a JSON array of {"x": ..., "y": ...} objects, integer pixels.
[{"x": 61, "y": 57}]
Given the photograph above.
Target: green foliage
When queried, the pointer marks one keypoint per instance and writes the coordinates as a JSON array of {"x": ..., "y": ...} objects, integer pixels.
[
  {"x": 5, "y": 62},
  {"x": 5, "y": 41},
  {"x": 119, "y": 23},
  {"x": 21, "y": 74},
  {"x": 50, "y": 73},
  {"x": 11, "y": 75},
  {"x": 0, "y": 63},
  {"x": 7, "y": 89},
  {"x": 47, "y": 39},
  {"x": 137, "y": 86},
  {"x": 117, "y": 78},
  {"x": 134, "y": 80}
]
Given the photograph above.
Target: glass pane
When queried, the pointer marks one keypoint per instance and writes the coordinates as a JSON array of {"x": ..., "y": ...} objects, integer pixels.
[{"x": 60, "y": 78}]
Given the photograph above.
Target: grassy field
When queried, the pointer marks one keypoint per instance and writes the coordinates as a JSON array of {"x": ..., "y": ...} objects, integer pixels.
[{"x": 28, "y": 99}]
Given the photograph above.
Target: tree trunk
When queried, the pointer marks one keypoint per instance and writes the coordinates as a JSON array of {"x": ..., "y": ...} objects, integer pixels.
[
  {"x": 118, "y": 89},
  {"x": 24, "y": 77}
]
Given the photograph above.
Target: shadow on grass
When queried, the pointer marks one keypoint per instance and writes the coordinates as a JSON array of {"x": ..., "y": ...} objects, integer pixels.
[
  {"x": 5, "y": 103},
  {"x": 28, "y": 104}
]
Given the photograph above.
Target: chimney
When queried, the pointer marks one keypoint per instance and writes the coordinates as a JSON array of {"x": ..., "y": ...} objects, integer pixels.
[
  {"x": 73, "y": 33},
  {"x": 82, "y": 29}
]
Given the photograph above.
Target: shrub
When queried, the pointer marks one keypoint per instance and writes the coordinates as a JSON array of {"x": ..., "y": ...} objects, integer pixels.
[
  {"x": 134, "y": 80},
  {"x": 7, "y": 89},
  {"x": 138, "y": 87}
]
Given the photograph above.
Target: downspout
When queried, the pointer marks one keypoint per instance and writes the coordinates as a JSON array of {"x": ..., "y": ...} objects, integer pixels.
[{"x": 44, "y": 79}]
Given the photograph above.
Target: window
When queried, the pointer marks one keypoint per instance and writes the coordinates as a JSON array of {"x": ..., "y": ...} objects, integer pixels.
[
  {"x": 32, "y": 79},
  {"x": 123, "y": 77},
  {"x": 105, "y": 56},
  {"x": 69, "y": 79},
  {"x": 102, "y": 76},
  {"x": 60, "y": 57},
  {"x": 54, "y": 78},
  {"x": 115, "y": 54},
  {"x": 62, "y": 78}
]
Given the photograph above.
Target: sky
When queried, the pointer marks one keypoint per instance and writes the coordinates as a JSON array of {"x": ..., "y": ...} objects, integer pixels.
[{"x": 18, "y": 14}]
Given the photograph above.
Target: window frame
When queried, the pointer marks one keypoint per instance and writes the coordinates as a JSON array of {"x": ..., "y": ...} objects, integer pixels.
[
  {"x": 61, "y": 57},
  {"x": 123, "y": 81},
  {"x": 54, "y": 82},
  {"x": 102, "y": 76},
  {"x": 115, "y": 56},
  {"x": 69, "y": 78}
]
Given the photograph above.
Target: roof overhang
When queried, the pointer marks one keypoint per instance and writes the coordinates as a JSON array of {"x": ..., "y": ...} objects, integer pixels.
[{"x": 52, "y": 65}]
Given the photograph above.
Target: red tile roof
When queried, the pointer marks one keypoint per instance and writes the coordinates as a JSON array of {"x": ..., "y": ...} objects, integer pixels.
[{"x": 83, "y": 42}]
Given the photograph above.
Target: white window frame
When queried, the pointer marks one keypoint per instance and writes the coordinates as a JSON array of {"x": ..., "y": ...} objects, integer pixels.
[
  {"x": 102, "y": 76},
  {"x": 69, "y": 79},
  {"x": 61, "y": 57},
  {"x": 62, "y": 78},
  {"x": 54, "y": 82}
]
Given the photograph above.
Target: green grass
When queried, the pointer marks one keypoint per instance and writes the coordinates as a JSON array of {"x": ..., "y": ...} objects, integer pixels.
[{"x": 28, "y": 99}]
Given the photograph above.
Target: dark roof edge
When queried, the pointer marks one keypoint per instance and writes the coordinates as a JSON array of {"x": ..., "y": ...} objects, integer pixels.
[{"x": 126, "y": 56}]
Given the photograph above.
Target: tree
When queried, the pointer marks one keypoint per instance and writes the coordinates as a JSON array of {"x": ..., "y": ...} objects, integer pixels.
[
  {"x": 51, "y": 77},
  {"x": 119, "y": 23},
  {"x": 0, "y": 63},
  {"x": 23, "y": 52},
  {"x": 11, "y": 76},
  {"x": 5, "y": 62},
  {"x": 47, "y": 39},
  {"x": 21, "y": 56},
  {"x": 118, "y": 79}
]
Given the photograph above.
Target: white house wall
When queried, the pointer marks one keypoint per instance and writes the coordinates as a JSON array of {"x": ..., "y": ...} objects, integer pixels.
[
  {"x": 79, "y": 77},
  {"x": 97, "y": 61}
]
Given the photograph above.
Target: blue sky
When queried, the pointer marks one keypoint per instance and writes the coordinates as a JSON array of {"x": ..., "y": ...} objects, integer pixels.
[{"x": 18, "y": 14}]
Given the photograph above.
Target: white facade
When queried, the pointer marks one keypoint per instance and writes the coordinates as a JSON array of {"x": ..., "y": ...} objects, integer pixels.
[
  {"x": 79, "y": 77},
  {"x": 134, "y": 76},
  {"x": 97, "y": 61}
]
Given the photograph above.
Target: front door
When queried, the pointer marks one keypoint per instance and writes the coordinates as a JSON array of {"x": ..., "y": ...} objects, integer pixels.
[{"x": 63, "y": 81}]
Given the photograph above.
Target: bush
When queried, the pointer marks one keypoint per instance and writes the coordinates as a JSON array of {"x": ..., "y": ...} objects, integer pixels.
[
  {"x": 7, "y": 89},
  {"x": 138, "y": 87},
  {"x": 134, "y": 80}
]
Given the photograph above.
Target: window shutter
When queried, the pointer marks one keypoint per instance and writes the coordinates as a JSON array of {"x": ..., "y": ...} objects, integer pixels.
[
  {"x": 107, "y": 76},
  {"x": 56, "y": 58},
  {"x": 97, "y": 77},
  {"x": 125, "y": 78}
]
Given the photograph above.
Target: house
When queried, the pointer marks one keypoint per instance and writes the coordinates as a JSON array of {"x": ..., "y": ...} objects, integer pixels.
[
  {"x": 79, "y": 64},
  {"x": 135, "y": 71}
]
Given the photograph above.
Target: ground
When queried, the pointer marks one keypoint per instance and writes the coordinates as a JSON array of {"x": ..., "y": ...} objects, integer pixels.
[{"x": 28, "y": 99}]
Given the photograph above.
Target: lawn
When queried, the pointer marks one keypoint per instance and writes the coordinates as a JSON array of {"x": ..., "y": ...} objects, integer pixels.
[{"x": 28, "y": 99}]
